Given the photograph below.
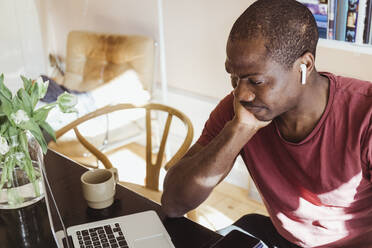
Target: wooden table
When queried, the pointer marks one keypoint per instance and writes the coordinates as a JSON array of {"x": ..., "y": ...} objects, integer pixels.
[{"x": 64, "y": 177}]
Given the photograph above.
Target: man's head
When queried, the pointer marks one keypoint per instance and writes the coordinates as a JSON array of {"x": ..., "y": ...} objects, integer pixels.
[
  {"x": 266, "y": 46},
  {"x": 287, "y": 27}
]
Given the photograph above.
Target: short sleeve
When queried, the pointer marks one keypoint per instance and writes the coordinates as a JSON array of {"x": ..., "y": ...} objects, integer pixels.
[{"x": 223, "y": 113}]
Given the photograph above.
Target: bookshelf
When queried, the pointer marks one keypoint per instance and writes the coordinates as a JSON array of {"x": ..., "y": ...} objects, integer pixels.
[
  {"x": 343, "y": 20},
  {"x": 343, "y": 48}
]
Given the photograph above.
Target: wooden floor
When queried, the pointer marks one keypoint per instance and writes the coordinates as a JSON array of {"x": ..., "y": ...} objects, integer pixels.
[{"x": 224, "y": 206}]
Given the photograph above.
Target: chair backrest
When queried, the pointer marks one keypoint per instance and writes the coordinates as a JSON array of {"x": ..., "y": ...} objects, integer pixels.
[
  {"x": 93, "y": 59},
  {"x": 152, "y": 168}
]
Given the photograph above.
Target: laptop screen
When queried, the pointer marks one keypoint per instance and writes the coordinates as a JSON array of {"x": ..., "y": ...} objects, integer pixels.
[
  {"x": 140, "y": 229},
  {"x": 54, "y": 216}
]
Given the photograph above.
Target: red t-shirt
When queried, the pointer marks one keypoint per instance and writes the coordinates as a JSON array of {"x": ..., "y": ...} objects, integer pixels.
[{"x": 318, "y": 192}]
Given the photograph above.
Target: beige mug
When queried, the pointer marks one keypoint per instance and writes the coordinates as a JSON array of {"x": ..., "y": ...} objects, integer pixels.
[{"x": 99, "y": 187}]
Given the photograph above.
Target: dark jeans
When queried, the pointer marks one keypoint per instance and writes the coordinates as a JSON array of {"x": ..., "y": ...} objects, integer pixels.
[{"x": 262, "y": 228}]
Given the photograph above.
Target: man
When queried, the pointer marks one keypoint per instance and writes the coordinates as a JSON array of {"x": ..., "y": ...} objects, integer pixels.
[{"x": 305, "y": 136}]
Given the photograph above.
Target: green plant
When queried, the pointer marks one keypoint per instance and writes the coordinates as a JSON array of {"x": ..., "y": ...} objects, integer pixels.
[{"x": 18, "y": 116}]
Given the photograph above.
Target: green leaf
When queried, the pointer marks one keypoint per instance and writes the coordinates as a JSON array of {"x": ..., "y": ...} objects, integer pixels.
[
  {"x": 4, "y": 127},
  {"x": 2, "y": 112},
  {"x": 31, "y": 170},
  {"x": 44, "y": 125},
  {"x": 40, "y": 139},
  {"x": 36, "y": 132},
  {"x": 41, "y": 114},
  {"x": 3, "y": 89},
  {"x": 24, "y": 144},
  {"x": 22, "y": 164},
  {"x": 26, "y": 101},
  {"x": 36, "y": 187},
  {"x": 67, "y": 102},
  {"x": 33, "y": 87},
  {"x": 42, "y": 87},
  {"x": 17, "y": 103},
  {"x": 13, "y": 140},
  {"x": 11, "y": 165},
  {"x": 31, "y": 175},
  {"x": 34, "y": 97},
  {"x": 6, "y": 103},
  {"x": 27, "y": 83},
  {"x": 26, "y": 168},
  {"x": 12, "y": 131},
  {"x": 4, "y": 175}
]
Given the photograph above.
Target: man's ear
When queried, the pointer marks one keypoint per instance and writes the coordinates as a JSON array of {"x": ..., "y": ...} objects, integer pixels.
[
  {"x": 309, "y": 60},
  {"x": 305, "y": 66}
]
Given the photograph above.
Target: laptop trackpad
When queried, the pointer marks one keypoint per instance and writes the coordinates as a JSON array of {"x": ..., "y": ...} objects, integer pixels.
[{"x": 159, "y": 241}]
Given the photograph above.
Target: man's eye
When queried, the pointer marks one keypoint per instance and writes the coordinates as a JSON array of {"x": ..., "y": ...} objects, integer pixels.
[{"x": 255, "y": 81}]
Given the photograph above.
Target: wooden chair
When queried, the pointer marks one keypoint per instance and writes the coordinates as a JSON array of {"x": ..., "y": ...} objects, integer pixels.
[
  {"x": 111, "y": 68},
  {"x": 151, "y": 185}
]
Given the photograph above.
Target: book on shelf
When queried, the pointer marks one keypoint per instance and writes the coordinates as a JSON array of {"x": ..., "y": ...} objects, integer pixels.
[
  {"x": 370, "y": 35},
  {"x": 361, "y": 17},
  {"x": 319, "y": 9},
  {"x": 345, "y": 20},
  {"x": 332, "y": 13},
  {"x": 351, "y": 21},
  {"x": 341, "y": 17},
  {"x": 367, "y": 24},
  {"x": 358, "y": 24}
]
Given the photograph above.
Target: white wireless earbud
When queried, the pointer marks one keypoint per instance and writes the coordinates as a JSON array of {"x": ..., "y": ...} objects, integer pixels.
[{"x": 303, "y": 74}]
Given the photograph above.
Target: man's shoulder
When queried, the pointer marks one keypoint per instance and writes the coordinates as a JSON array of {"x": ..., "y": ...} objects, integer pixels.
[
  {"x": 351, "y": 86},
  {"x": 352, "y": 100}
]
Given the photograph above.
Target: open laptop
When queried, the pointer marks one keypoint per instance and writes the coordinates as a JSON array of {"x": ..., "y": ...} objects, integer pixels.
[{"x": 140, "y": 230}]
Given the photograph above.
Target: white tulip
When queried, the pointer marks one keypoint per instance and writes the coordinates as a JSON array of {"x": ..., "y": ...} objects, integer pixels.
[
  {"x": 42, "y": 87},
  {"x": 66, "y": 102},
  {"x": 19, "y": 117},
  {"x": 19, "y": 156},
  {"x": 4, "y": 147}
]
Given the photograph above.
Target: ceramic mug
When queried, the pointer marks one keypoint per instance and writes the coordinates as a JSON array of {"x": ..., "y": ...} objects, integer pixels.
[{"x": 99, "y": 187}]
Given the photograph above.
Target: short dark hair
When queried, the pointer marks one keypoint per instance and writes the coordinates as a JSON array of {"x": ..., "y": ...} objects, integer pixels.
[{"x": 288, "y": 28}]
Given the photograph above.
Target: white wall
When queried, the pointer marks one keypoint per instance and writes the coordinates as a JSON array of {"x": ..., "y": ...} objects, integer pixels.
[
  {"x": 345, "y": 59},
  {"x": 110, "y": 16},
  {"x": 195, "y": 37},
  {"x": 20, "y": 42},
  {"x": 196, "y": 34}
]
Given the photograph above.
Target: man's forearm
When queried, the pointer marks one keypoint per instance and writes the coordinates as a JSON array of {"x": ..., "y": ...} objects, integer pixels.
[{"x": 192, "y": 179}]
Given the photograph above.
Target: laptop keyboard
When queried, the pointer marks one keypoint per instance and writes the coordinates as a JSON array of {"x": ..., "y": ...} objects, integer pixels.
[{"x": 102, "y": 237}]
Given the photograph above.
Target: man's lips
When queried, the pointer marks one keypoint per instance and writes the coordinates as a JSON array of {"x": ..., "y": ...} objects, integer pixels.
[{"x": 251, "y": 106}]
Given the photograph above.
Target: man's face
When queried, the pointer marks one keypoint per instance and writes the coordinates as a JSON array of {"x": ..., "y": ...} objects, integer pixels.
[{"x": 264, "y": 87}]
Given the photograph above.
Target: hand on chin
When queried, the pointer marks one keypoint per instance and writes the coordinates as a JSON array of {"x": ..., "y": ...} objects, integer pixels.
[{"x": 249, "y": 115}]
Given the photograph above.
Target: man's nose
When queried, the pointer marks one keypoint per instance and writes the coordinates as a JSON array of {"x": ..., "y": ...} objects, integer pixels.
[{"x": 243, "y": 92}]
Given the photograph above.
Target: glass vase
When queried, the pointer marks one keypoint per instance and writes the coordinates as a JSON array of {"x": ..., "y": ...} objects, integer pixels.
[
  {"x": 21, "y": 191},
  {"x": 24, "y": 219}
]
